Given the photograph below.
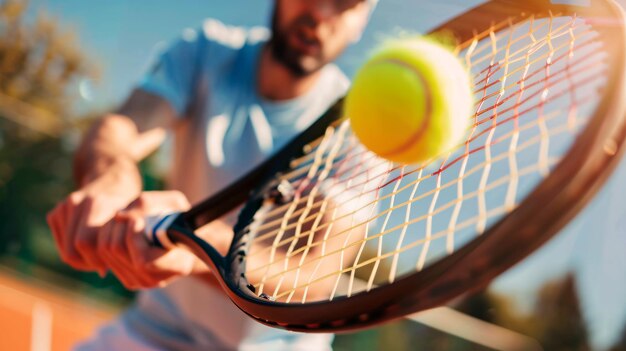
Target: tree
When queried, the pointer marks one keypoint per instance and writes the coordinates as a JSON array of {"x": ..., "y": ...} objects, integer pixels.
[
  {"x": 559, "y": 318},
  {"x": 39, "y": 65},
  {"x": 621, "y": 343}
]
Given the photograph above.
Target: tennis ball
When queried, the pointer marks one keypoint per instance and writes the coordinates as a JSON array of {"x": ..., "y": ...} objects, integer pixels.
[{"x": 411, "y": 101}]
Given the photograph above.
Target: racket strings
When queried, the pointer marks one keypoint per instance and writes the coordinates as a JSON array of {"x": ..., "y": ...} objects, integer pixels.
[
  {"x": 327, "y": 167},
  {"x": 404, "y": 227},
  {"x": 269, "y": 226},
  {"x": 467, "y": 196},
  {"x": 517, "y": 101},
  {"x": 400, "y": 248},
  {"x": 312, "y": 172},
  {"x": 586, "y": 68}
]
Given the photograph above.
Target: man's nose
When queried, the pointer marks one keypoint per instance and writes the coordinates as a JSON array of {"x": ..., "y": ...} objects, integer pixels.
[{"x": 322, "y": 10}]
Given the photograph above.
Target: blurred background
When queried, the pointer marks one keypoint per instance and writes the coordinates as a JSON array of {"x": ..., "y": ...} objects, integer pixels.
[{"x": 63, "y": 63}]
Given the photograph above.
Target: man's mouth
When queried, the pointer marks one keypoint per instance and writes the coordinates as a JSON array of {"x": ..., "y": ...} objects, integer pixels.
[{"x": 305, "y": 41}]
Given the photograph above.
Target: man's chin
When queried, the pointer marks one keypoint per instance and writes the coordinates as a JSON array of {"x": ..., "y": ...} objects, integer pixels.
[
  {"x": 304, "y": 66},
  {"x": 299, "y": 65}
]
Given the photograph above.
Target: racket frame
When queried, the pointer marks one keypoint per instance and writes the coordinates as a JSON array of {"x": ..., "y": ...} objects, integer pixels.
[{"x": 561, "y": 195}]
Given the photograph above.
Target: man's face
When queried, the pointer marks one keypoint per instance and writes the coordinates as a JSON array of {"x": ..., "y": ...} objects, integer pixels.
[{"x": 307, "y": 34}]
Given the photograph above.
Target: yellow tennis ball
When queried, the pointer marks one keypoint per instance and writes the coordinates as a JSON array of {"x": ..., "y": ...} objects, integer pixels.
[{"x": 411, "y": 101}]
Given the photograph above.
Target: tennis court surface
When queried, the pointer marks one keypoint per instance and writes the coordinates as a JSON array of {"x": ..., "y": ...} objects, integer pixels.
[{"x": 39, "y": 317}]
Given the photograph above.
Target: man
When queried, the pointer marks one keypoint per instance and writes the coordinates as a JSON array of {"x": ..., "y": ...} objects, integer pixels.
[{"x": 231, "y": 97}]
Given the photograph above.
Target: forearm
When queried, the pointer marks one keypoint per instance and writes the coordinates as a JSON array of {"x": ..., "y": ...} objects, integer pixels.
[
  {"x": 97, "y": 226},
  {"x": 105, "y": 144}
]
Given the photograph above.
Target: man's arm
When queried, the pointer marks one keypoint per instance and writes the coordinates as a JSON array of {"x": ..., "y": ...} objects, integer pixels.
[
  {"x": 107, "y": 175},
  {"x": 128, "y": 136}
]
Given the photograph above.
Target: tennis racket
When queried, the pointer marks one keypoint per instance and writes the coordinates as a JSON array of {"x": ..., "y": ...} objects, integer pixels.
[{"x": 333, "y": 238}]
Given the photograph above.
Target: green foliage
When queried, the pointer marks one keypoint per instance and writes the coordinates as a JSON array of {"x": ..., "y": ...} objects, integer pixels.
[
  {"x": 559, "y": 318},
  {"x": 34, "y": 176},
  {"x": 556, "y": 322},
  {"x": 38, "y": 60},
  {"x": 403, "y": 335},
  {"x": 38, "y": 65}
]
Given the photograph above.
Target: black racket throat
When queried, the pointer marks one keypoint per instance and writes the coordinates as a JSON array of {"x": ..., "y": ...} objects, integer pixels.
[
  {"x": 232, "y": 266},
  {"x": 180, "y": 232}
]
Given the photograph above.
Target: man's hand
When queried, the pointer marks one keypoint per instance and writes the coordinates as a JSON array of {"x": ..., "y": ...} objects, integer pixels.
[
  {"x": 106, "y": 172},
  {"x": 123, "y": 247},
  {"x": 75, "y": 221}
]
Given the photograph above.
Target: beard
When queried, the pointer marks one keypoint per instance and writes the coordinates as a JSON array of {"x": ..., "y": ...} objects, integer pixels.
[{"x": 297, "y": 63}]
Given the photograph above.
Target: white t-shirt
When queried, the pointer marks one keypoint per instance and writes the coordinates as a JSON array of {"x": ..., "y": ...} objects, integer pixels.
[{"x": 225, "y": 129}]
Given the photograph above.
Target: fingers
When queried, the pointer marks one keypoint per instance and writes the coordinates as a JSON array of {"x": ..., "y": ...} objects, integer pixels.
[
  {"x": 74, "y": 235},
  {"x": 64, "y": 221},
  {"x": 74, "y": 224},
  {"x": 154, "y": 264},
  {"x": 92, "y": 235},
  {"x": 123, "y": 247},
  {"x": 143, "y": 257},
  {"x": 83, "y": 239},
  {"x": 111, "y": 254}
]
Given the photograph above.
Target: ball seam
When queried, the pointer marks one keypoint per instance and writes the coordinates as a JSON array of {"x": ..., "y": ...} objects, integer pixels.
[{"x": 405, "y": 146}]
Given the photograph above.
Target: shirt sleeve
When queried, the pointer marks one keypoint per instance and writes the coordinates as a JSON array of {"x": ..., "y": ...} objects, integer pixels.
[{"x": 172, "y": 73}]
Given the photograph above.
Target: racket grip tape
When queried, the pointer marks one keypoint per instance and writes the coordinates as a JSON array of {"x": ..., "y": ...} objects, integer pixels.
[{"x": 156, "y": 230}]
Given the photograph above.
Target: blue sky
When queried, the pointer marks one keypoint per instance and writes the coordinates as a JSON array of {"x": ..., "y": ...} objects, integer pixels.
[{"x": 120, "y": 36}]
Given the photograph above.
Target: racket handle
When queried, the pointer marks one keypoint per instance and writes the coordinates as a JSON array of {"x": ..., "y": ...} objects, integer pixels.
[{"x": 156, "y": 230}]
